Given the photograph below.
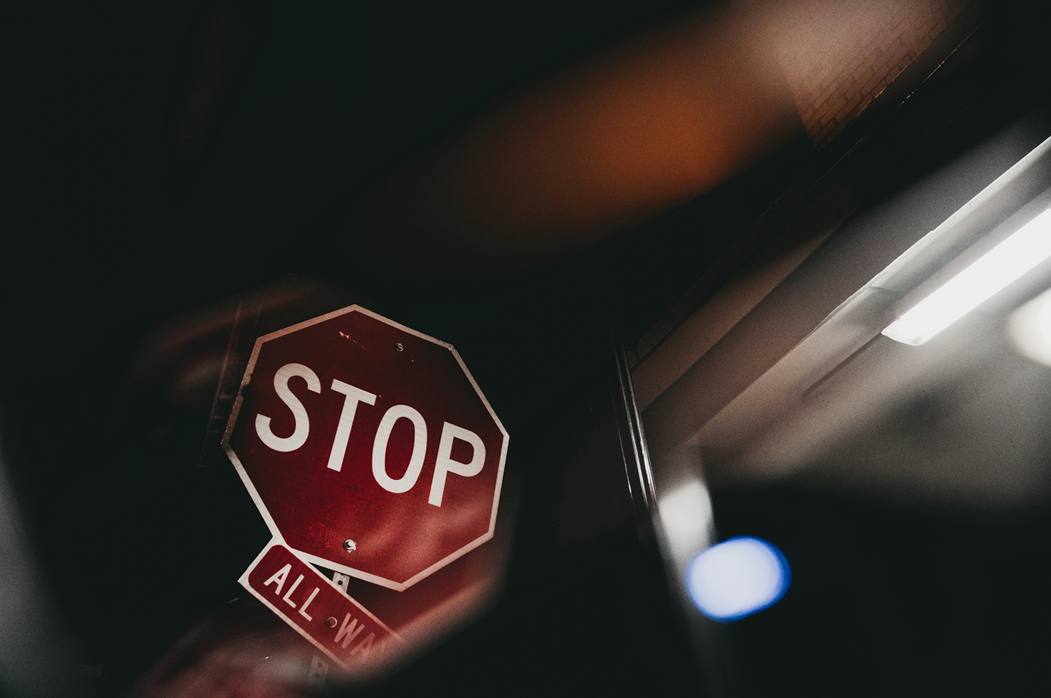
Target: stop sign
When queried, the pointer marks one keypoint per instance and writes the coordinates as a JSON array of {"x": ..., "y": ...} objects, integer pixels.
[{"x": 367, "y": 447}]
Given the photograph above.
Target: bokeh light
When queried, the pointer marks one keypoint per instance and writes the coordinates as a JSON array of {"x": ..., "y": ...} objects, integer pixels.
[{"x": 737, "y": 578}]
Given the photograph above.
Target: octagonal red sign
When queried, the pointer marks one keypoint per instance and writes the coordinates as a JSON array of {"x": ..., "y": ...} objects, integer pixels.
[{"x": 367, "y": 447}]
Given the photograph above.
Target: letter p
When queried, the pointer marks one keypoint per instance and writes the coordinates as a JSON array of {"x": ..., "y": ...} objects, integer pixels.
[{"x": 444, "y": 464}]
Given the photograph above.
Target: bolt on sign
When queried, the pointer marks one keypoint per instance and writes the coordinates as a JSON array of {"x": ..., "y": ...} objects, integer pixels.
[{"x": 369, "y": 450}]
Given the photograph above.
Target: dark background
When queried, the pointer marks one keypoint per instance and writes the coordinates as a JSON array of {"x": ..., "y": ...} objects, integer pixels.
[{"x": 96, "y": 252}]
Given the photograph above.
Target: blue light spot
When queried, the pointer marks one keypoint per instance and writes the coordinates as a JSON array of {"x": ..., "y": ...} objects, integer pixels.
[{"x": 737, "y": 578}]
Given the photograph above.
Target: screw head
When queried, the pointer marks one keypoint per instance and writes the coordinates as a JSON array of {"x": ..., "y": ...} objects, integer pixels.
[
  {"x": 398, "y": 347},
  {"x": 349, "y": 545},
  {"x": 331, "y": 622}
]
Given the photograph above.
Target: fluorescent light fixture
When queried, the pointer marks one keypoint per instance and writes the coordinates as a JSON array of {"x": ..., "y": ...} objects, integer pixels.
[
  {"x": 994, "y": 270},
  {"x": 737, "y": 578},
  {"x": 1030, "y": 328}
]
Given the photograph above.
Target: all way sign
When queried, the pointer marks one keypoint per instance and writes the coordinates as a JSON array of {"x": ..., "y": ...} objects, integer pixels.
[{"x": 318, "y": 609}]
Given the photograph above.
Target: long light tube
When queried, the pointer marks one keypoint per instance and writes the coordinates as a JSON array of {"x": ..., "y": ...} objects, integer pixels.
[{"x": 1026, "y": 248}]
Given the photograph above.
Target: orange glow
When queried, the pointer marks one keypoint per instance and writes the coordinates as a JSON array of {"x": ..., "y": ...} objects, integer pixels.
[{"x": 561, "y": 168}]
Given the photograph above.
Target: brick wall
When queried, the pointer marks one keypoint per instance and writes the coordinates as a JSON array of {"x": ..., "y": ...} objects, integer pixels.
[{"x": 838, "y": 55}]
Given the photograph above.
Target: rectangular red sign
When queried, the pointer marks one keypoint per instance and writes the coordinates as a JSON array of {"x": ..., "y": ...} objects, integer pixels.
[{"x": 319, "y": 610}]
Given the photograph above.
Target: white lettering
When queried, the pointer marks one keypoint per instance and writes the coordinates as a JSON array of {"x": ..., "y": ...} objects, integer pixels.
[
  {"x": 288, "y": 596},
  {"x": 349, "y": 630},
  {"x": 445, "y": 464},
  {"x": 419, "y": 449},
  {"x": 303, "y": 610},
  {"x": 364, "y": 646},
  {"x": 302, "y": 429},
  {"x": 346, "y": 420},
  {"x": 279, "y": 578}
]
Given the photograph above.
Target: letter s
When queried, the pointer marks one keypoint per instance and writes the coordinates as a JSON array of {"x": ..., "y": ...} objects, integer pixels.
[{"x": 299, "y": 435}]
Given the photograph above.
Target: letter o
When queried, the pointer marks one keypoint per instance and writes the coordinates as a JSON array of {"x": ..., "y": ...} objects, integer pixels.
[{"x": 419, "y": 449}]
